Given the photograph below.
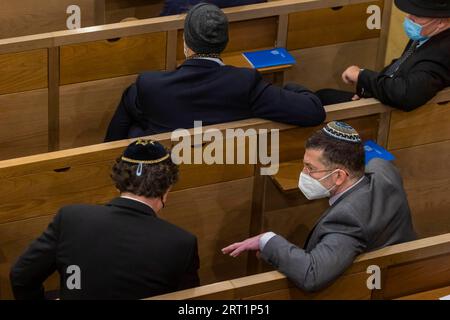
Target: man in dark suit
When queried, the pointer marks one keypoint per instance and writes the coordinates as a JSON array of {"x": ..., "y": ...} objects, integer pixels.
[
  {"x": 204, "y": 89},
  {"x": 181, "y": 6},
  {"x": 120, "y": 250},
  {"x": 368, "y": 210},
  {"x": 414, "y": 78}
]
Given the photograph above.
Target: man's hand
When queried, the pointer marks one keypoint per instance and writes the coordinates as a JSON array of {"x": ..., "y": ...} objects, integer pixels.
[
  {"x": 237, "y": 248},
  {"x": 351, "y": 74}
]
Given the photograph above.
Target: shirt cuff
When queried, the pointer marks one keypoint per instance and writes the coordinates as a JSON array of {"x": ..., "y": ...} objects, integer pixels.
[{"x": 264, "y": 239}]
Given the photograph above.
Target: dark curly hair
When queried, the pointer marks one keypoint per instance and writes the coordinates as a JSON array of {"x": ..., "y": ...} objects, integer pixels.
[
  {"x": 154, "y": 182},
  {"x": 336, "y": 152}
]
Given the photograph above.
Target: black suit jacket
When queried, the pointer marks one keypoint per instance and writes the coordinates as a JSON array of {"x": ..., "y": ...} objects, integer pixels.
[
  {"x": 419, "y": 78},
  {"x": 204, "y": 90},
  {"x": 123, "y": 250},
  {"x": 180, "y": 6}
]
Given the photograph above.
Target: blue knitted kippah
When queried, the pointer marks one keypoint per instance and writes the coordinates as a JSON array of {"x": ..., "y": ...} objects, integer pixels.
[{"x": 342, "y": 131}]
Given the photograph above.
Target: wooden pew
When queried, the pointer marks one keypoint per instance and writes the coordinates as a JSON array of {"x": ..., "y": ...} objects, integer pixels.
[
  {"x": 227, "y": 202},
  {"x": 221, "y": 198},
  {"x": 81, "y": 74},
  {"x": 408, "y": 270},
  {"x": 429, "y": 295}
]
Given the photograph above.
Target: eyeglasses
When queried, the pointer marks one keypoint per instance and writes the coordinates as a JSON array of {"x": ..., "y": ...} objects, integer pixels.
[{"x": 309, "y": 171}]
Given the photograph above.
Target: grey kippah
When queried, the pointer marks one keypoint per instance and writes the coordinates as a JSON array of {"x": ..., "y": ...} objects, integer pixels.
[
  {"x": 206, "y": 29},
  {"x": 341, "y": 131}
]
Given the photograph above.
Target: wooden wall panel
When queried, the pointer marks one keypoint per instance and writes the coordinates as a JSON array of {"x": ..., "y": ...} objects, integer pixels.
[
  {"x": 424, "y": 125},
  {"x": 113, "y": 58},
  {"x": 322, "y": 67},
  {"x": 42, "y": 193},
  {"x": 15, "y": 237},
  {"x": 218, "y": 215},
  {"x": 435, "y": 294},
  {"x": 26, "y": 17},
  {"x": 419, "y": 276},
  {"x": 329, "y": 26},
  {"x": 426, "y": 176},
  {"x": 117, "y": 10},
  {"x": 23, "y": 124},
  {"x": 350, "y": 287},
  {"x": 87, "y": 108},
  {"x": 23, "y": 71},
  {"x": 244, "y": 36}
]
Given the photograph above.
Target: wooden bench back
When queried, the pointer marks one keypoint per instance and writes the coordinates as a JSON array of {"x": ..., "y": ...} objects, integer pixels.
[{"x": 406, "y": 269}]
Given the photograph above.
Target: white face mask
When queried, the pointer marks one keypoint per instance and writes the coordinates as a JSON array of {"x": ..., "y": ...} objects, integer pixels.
[{"x": 312, "y": 188}]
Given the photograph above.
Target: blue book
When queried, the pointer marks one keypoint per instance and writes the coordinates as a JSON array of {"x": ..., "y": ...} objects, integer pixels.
[
  {"x": 269, "y": 58},
  {"x": 373, "y": 150}
]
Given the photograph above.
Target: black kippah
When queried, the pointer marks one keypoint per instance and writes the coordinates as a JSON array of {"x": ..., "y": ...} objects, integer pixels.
[
  {"x": 206, "y": 29},
  {"x": 145, "y": 152}
]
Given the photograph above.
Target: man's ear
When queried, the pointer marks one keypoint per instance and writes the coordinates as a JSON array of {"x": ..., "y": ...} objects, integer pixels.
[
  {"x": 342, "y": 176},
  {"x": 165, "y": 195},
  {"x": 187, "y": 51}
]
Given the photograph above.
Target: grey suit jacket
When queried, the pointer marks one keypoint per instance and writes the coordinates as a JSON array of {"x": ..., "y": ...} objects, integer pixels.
[{"x": 373, "y": 214}]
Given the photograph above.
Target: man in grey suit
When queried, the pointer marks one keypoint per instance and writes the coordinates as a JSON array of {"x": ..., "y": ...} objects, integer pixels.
[{"x": 368, "y": 210}]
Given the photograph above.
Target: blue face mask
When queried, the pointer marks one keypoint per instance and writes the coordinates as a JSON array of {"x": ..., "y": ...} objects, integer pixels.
[{"x": 414, "y": 30}]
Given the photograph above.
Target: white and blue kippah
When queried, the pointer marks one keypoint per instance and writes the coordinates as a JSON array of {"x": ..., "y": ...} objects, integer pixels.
[{"x": 342, "y": 131}]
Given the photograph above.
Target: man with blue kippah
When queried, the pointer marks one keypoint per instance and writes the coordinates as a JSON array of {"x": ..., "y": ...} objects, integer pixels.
[
  {"x": 121, "y": 250},
  {"x": 204, "y": 89},
  {"x": 368, "y": 210}
]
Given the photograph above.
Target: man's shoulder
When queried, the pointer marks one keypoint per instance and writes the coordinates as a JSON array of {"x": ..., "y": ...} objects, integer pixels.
[
  {"x": 241, "y": 71},
  {"x": 375, "y": 163},
  {"x": 378, "y": 167},
  {"x": 444, "y": 40},
  {"x": 80, "y": 207},
  {"x": 176, "y": 232},
  {"x": 436, "y": 48},
  {"x": 84, "y": 210},
  {"x": 150, "y": 76}
]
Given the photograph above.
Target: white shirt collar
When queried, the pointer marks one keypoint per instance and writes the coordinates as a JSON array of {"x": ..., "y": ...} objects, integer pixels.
[
  {"x": 211, "y": 59},
  {"x": 130, "y": 198},
  {"x": 334, "y": 198}
]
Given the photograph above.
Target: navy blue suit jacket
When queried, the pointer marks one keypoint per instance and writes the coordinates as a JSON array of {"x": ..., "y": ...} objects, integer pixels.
[
  {"x": 181, "y": 6},
  {"x": 203, "y": 90}
]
